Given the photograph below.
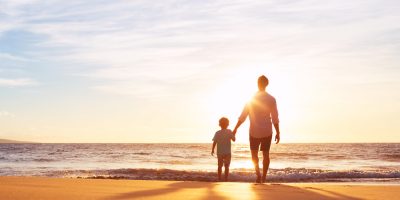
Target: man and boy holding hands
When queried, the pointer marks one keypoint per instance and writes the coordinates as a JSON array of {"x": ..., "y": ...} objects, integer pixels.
[{"x": 262, "y": 112}]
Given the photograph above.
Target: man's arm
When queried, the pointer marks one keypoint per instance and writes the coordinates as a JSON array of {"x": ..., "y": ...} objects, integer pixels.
[
  {"x": 278, "y": 134},
  {"x": 242, "y": 118},
  {"x": 240, "y": 122},
  {"x": 213, "y": 147},
  {"x": 275, "y": 121}
]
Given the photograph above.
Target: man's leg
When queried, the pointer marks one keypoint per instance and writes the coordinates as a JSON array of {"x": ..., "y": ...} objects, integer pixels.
[
  {"x": 254, "y": 157},
  {"x": 265, "y": 165},
  {"x": 265, "y": 146}
]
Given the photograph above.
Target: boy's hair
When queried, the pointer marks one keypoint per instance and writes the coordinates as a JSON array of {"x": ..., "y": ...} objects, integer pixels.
[
  {"x": 224, "y": 122},
  {"x": 262, "y": 82}
]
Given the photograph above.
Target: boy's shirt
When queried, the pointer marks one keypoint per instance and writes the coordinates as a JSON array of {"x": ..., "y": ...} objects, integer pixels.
[{"x": 223, "y": 139}]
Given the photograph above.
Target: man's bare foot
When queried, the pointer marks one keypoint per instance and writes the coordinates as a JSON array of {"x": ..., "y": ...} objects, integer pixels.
[{"x": 264, "y": 179}]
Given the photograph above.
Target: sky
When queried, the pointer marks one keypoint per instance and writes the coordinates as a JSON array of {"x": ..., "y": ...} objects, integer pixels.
[{"x": 166, "y": 71}]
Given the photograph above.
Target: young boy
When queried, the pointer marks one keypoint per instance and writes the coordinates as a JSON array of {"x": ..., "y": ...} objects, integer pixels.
[{"x": 222, "y": 139}]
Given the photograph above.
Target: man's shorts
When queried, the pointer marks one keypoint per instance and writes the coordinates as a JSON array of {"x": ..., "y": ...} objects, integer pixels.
[
  {"x": 224, "y": 159},
  {"x": 262, "y": 144}
]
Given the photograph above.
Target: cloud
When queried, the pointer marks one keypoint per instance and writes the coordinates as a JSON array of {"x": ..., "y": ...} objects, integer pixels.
[
  {"x": 17, "y": 82},
  {"x": 119, "y": 44},
  {"x": 7, "y": 56},
  {"x": 6, "y": 114}
]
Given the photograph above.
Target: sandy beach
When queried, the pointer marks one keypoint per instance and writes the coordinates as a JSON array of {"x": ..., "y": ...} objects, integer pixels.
[{"x": 63, "y": 188}]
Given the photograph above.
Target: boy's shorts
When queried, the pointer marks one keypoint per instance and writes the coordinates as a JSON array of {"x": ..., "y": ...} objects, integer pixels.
[
  {"x": 224, "y": 159},
  {"x": 262, "y": 144}
]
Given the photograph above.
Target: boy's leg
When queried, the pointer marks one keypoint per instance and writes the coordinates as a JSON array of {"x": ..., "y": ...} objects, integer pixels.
[
  {"x": 227, "y": 162},
  {"x": 220, "y": 163}
]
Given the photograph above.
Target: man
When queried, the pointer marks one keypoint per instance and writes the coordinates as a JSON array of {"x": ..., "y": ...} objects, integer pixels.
[{"x": 261, "y": 111}]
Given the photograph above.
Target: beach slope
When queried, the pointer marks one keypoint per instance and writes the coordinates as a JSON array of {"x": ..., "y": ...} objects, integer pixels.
[{"x": 64, "y": 189}]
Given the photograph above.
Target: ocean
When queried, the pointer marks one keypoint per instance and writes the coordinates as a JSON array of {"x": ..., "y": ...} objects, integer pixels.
[{"x": 358, "y": 162}]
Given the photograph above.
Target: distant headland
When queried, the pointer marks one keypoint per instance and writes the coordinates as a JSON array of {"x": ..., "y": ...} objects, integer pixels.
[{"x": 3, "y": 141}]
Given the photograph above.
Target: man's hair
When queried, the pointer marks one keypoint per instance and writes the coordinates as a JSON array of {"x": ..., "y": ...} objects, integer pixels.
[
  {"x": 224, "y": 122},
  {"x": 262, "y": 82}
]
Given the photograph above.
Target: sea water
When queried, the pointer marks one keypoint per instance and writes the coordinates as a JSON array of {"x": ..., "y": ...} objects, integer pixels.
[{"x": 323, "y": 162}]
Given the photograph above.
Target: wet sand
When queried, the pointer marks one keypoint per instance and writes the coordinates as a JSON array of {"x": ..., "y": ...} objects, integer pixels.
[{"x": 66, "y": 189}]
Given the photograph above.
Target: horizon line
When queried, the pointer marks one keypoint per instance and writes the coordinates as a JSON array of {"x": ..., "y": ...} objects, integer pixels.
[{"x": 24, "y": 142}]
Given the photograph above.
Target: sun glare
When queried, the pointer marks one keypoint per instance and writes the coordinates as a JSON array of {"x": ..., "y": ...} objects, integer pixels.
[
  {"x": 243, "y": 164},
  {"x": 229, "y": 98},
  {"x": 237, "y": 88}
]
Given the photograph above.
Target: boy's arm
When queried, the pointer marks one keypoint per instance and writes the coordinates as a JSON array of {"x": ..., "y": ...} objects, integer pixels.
[
  {"x": 233, "y": 137},
  {"x": 213, "y": 147}
]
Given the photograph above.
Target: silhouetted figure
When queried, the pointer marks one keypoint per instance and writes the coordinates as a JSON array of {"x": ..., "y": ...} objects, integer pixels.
[
  {"x": 261, "y": 110},
  {"x": 222, "y": 139}
]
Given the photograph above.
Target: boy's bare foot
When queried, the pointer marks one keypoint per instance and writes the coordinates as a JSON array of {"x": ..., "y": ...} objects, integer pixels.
[{"x": 258, "y": 180}]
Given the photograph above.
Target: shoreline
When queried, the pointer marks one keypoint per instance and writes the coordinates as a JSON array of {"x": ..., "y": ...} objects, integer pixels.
[
  {"x": 333, "y": 182},
  {"x": 24, "y": 187},
  {"x": 288, "y": 175}
]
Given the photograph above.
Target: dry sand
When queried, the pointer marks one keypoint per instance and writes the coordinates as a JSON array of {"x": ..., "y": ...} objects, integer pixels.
[{"x": 75, "y": 189}]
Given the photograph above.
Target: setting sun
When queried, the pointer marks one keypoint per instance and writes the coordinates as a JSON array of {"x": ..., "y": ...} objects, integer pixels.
[{"x": 237, "y": 88}]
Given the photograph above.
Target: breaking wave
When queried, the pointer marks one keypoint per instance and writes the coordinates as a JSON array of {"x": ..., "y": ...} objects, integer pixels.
[{"x": 275, "y": 175}]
